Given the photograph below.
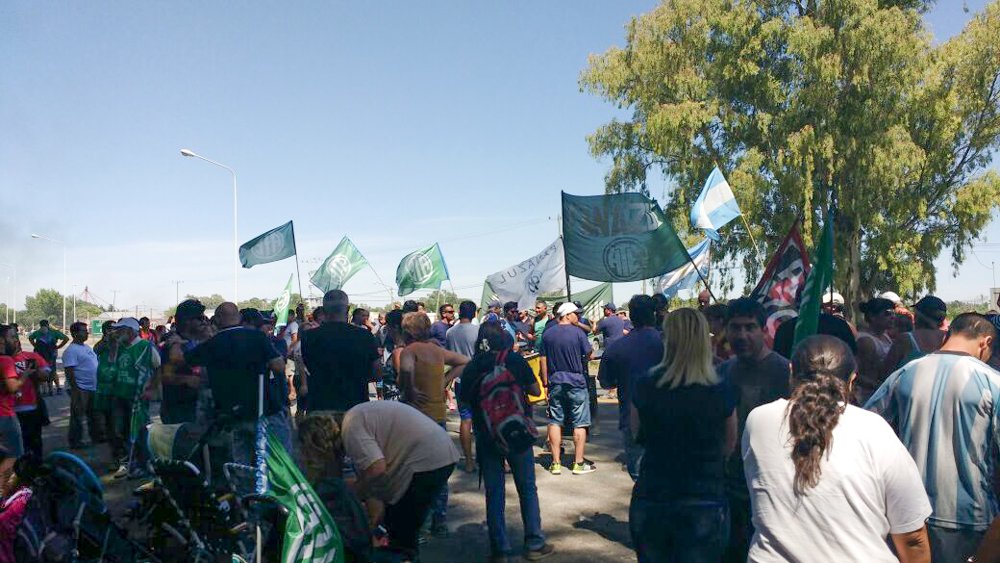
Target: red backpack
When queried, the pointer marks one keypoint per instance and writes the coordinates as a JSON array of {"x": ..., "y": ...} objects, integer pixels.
[{"x": 501, "y": 398}]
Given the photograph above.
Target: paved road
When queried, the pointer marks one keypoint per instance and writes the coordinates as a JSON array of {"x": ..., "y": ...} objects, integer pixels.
[{"x": 585, "y": 517}]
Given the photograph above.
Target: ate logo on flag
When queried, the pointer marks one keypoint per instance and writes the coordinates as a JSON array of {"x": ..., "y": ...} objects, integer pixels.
[
  {"x": 420, "y": 267},
  {"x": 269, "y": 247},
  {"x": 624, "y": 258},
  {"x": 338, "y": 268}
]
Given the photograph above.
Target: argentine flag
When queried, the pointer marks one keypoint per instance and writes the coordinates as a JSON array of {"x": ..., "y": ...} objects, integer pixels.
[
  {"x": 686, "y": 276},
  {"x": 715, "y": 207}
]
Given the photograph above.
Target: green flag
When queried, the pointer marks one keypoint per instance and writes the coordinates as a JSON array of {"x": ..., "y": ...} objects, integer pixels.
[
  {"x": 311, "y": 535},
  {"x": 422, "y": 269},
  {"x": 618, "y": 238},
  {"x": 820, "y": 278},
  {"x": 276, "y": 244},
  {"x": 281, "y": 304},
  {"x": 345, "y": 261}
]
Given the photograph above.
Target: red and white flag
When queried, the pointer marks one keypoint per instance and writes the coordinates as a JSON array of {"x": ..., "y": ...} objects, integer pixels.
[{"x": 780, "y": 288}]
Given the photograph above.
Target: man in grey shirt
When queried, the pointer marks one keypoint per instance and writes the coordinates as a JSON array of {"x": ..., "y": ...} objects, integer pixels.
[{"x": 461, "y": 339}]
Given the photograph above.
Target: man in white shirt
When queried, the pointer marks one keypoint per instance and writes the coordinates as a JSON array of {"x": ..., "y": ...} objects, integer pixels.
[{"x": 80, "y": 367}]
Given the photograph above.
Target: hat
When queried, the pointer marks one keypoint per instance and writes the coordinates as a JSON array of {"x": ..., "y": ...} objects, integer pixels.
[
  {"x": 932, "y": 307},
  {"x": 832, "y": 298},
  {"x": 891, "y": 296},
  {"x": 127, "y": 322},
  {"x": 189, "y": 309},
  {"x": 491, "y": 317},
  {"x": 494, "y": 303},
  {"x": 611, "y": 306},
  {"x": 567, "y": 308}
]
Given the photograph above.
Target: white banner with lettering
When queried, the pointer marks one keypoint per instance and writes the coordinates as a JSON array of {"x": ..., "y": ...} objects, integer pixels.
[{"x": 543, "y": 273}]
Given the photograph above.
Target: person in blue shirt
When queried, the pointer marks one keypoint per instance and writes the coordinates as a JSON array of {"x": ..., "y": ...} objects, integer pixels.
[
  {"x": 945, "y": 408},
  {"x": 624, "y": 362},
  {"x": 611, "y": 327},
  {"x": 566, "y": 350}
]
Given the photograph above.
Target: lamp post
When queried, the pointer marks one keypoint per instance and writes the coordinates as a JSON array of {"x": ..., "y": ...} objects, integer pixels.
[
  {"x": 13, "y": 292},
  {"x": 236, "y": 240},
  {"x": 40, "y": 237}
]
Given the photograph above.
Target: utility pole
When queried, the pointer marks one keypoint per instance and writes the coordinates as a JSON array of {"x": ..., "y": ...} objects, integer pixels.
[
  {"x": 177, "y": 291},
  {"x": 114, "y": 298}
]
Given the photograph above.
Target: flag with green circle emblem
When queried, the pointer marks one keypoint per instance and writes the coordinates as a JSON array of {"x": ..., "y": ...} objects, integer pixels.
[
  {"x": 276, "y": 244},
  {"x": 345, "y": 261},
  {"x": 423, "y": 269},
  {"x": 310, "y": 533},
  {"x": 281, "y": 305}
]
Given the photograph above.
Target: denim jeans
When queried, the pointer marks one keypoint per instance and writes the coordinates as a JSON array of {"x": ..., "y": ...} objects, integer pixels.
[
  {"x": 522, "y": 466},
  {"x": 633, "y": 454},
  {"x": 439, "y": 510},
  {"x": 691, "y": 530}
]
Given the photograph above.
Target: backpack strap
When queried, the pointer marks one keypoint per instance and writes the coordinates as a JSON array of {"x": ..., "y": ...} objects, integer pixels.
[{"x": 502, "y": 357}]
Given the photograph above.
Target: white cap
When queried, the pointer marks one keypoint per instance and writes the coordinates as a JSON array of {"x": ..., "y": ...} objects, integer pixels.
[
  {"x": 891, "y": 296},
  {"x": 835, "y": 298},
  {"x": 127, "y": 322},
  {"x": 567, "y": 308}
]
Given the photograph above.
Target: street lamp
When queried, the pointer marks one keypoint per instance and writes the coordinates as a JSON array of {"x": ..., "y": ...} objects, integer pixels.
[
  {"x": 13, "y": 292},
  {"x": 40, "y": 237},
  {"x": 236, "y": 240}
]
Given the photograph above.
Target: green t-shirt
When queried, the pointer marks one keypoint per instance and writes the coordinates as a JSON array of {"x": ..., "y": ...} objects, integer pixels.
[{"x": 132, "y": 369}]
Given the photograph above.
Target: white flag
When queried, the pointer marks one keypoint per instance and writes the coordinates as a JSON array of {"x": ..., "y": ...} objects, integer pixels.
[
  {"x": 686, "y": 276},
  {"x": 543, "y": 273}
]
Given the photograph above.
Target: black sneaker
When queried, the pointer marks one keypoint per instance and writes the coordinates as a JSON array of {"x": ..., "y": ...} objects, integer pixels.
[{"x": 540, "y": 553}]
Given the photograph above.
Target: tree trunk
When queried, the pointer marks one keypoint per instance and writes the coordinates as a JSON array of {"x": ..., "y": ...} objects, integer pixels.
[{"x": 852, "y": 293}]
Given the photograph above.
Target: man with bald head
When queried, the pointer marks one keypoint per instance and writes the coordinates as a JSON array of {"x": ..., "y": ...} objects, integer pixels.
[
  {"x": 341, "y": 359},
  {"x": 235, "y": 359}
]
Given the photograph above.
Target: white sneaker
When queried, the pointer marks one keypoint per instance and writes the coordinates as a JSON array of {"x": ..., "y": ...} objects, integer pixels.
[{"x": 122, "y": 472}]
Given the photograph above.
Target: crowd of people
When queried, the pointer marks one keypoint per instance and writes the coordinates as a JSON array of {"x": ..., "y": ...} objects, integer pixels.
[{"x": 876, "y": 443}]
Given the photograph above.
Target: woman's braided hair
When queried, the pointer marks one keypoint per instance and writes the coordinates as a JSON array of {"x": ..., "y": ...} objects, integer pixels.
[{"x": 821, "y": 366}]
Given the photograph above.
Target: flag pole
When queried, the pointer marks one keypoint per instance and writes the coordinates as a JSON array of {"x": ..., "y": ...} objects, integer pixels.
[
  {"x": 700, "y": 276},
  {"x": 298, "y": 272},
  {"x": 260, "y": 415},
  {"x": 569, "y": 293},
  {"x": 752, "y": 241}
]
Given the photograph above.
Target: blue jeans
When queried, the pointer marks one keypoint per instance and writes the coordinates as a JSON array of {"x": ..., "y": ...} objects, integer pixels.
[
  {"x": 522, "y": 466},
  {"x": 693, "y": 531},
  {"x": 439, "y": 510},
  {"x": 244, "y": 436},
  {"x": 633, "y": 454}
]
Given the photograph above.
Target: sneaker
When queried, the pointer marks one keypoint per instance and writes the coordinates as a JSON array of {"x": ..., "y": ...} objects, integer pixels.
[
  {"x": 540, "y": 553},
  {"x": 440, "y": 530},
  {"x": 581, "y": 468},
  {"x": 122, "y": 472},
  {"x": 555, "y": 469}
]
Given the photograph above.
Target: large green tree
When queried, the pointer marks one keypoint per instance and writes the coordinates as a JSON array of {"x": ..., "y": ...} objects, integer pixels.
[
  {"x": 48, "y": 304},
  {"x": 808, "y": 106}
]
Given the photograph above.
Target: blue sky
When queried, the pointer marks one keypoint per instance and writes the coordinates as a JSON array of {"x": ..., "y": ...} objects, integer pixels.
[{"x": 398, "y": 125}]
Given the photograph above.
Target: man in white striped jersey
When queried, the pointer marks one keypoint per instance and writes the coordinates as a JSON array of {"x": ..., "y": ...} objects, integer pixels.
[{"x": 945, "y": 407}]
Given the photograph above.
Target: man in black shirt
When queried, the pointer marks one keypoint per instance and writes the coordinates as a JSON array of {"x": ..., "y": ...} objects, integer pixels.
[
  {"x": 236, "y": 358},
  {"x": 341, "y": 359},
  {"x": 757, "y": 376}
]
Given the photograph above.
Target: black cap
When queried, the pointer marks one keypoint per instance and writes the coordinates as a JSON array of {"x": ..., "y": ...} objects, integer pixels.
[{"x": 932, "y": 307}]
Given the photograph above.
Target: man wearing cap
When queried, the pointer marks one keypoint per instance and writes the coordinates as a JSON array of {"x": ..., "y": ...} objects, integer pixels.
[
  {"x": 945, "y": 408},
  {"x": 564, "y": 355},
  {"x": 182, "y": 383},
  {"x": 928, "y": 334},
  {"x": 612, "y": 327},
  {"x": 134, "y": 360}
]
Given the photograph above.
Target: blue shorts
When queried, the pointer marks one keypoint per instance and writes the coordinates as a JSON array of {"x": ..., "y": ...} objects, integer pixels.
[
  {"x": 569, "y": 406},
  {"x": 11, "y": 443},
  {"x": 464, "y": 409}
]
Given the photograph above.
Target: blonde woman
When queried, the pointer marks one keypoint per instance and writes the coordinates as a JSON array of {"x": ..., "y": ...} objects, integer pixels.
[{"x": 684, "y": 416}]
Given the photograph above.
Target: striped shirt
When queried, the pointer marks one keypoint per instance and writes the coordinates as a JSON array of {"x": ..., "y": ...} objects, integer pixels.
[{"x": 944, "y": 407}]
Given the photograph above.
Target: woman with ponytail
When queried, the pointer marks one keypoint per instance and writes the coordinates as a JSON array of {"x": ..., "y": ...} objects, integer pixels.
[{"x": 830, "y": 481}]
